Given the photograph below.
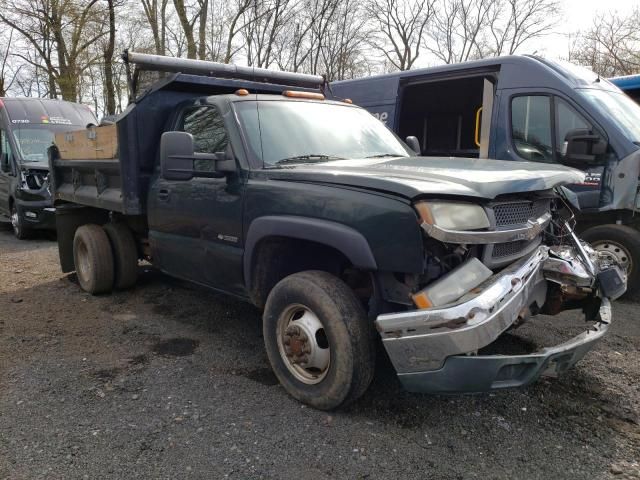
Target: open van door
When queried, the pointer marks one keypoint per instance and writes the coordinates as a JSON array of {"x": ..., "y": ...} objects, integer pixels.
[
  {"x": 447, "y": 114},
  {"x": 483, "y": 134}
]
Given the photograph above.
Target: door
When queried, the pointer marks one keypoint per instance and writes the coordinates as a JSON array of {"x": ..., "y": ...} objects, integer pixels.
[
  {"x": 196, "y": 225},
  {"x": 483, "y": 134},
  {"x": 5, "y": 177},
  {"x": 538, "y": 126}
]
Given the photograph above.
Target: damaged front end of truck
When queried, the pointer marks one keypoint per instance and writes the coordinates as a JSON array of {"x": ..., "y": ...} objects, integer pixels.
[{"x": 515, "y": 258}]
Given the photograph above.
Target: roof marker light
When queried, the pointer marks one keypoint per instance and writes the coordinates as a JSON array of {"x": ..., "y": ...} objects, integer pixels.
[
  {"x": 296, "y": 94},
  {"x": 242, "y": 92}
]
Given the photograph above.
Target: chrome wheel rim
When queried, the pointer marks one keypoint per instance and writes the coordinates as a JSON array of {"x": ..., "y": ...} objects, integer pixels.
[
  {"x": 303, "y": 344},
  {"x": 616, "y": 252}
]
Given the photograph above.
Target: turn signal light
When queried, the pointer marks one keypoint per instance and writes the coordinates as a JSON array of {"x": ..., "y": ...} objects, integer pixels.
[
  {"x": 421, "y": 300},
  {"x": 310, "y": 95},
  {"x": 242, "y": 92}
]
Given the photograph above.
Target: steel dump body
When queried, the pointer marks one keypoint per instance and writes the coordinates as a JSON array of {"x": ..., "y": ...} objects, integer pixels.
[{"x": 121, "y": 184}]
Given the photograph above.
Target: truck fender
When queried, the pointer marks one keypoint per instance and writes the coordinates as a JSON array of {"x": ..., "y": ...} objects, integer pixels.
[{"x": 346, "y": 240}]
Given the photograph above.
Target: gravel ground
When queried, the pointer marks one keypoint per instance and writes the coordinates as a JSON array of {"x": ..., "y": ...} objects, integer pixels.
[{"x": 170, "y": 381}]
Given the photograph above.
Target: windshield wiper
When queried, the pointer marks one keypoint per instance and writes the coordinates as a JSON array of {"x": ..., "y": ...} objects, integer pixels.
[
  {"x": 310, "y": 158},
  {"x": 384, "y": 155}
]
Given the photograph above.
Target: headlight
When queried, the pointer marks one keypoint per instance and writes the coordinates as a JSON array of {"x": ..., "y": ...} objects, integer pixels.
[{"x": 453, "y": 216}]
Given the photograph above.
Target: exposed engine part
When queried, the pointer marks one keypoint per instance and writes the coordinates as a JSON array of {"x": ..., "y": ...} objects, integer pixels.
[{"x": 34, "y": 179}]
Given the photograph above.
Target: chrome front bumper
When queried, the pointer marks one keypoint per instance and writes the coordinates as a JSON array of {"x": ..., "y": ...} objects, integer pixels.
[{"x": 434, "y": 350}]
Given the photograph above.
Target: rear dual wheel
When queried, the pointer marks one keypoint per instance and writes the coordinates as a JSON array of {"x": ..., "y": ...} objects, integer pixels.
[{"x": 105, "y": 258}]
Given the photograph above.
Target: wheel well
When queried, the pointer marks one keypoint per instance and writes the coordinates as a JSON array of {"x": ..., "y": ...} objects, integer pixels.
[{"x": 277, "y": 257}]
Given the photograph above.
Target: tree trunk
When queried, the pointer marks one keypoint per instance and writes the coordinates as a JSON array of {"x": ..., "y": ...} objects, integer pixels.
[
  {"x": 187, "y": 28},
  {"x": 202, "y": 32},
  {"x": 110, "y": 94}
]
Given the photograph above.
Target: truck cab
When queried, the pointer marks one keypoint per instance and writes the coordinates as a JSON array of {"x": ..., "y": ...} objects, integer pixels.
[
  {"x": 526, "y": 108},
  {"x": 27, "y": 129}
]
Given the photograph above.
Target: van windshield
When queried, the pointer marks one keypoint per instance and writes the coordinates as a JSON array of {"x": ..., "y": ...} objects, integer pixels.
[
  {"x": 620, "y": 109},
  {"x": 33, "y": 141},
  {"x": 290, "y": 132}
]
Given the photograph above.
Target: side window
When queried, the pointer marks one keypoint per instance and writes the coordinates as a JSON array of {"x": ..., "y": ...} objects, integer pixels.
[
  {"x": 567, "y": 119},
  {"x": 209, "y": 134},
  {"x": 531, "y": 127}
]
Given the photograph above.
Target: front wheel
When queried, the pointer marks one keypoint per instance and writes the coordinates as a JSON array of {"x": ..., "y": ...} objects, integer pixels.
[
  {"x": 17, "y": 222},
  {"x": 318, "y": 340},
  {"x": 622, "y": 244}
]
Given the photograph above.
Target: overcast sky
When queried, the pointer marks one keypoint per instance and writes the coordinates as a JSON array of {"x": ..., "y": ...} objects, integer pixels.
[{"x": 577, "y": 15}]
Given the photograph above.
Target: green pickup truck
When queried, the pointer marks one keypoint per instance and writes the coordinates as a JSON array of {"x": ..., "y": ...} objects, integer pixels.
[{"x": 318, "y": 214}]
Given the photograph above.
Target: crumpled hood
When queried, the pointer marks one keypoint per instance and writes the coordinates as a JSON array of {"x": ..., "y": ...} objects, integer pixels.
[{"x": 414, "y": 176}]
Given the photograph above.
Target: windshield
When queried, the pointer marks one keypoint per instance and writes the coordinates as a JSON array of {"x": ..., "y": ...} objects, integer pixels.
[
  {"x": 619, "y": 108},
  {"x": 286, "y": 132},
  {"x": 32, "y": 142}
]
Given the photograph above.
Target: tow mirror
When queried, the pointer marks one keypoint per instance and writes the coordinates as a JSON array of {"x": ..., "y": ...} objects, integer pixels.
[
  {"x": 4, "y": 162},
  {"x": 178, "y": 161},
  {"x": 583, "y": 146},
  {"x": 414, "y": 144},
  {"x": 176, "y": 156}
]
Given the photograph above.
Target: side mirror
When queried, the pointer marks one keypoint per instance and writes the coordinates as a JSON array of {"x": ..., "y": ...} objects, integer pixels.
[
  {"x": 582, "y": 146},
  {"x": 179, "y": 161},
  {"x": 176, "y": 156},
  {"x": 414, "y": 144},
  {"x": 4, "y": 162}
]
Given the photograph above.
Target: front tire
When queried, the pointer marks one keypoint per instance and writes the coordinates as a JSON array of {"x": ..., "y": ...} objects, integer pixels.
[
  {"x": 93, "y": 259},
  {"x": 622, "y": 243},
  {"x": 318, "y": 340},
  {"x": 17, "y": 222}
]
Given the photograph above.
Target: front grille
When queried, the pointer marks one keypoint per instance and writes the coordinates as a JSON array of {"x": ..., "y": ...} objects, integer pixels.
[
  {"x": 512, "y": 214},
  {"x": 501, "y": 250}
]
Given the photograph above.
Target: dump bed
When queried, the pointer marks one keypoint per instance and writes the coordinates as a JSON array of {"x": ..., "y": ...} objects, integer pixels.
[{"x": 110, "y": 167}]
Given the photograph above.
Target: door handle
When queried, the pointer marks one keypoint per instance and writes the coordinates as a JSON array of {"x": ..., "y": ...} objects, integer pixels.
[{"x": 163, "y": 194}]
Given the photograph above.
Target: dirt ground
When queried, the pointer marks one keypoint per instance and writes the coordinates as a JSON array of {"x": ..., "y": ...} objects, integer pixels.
[{"x": 170, "y": 381}]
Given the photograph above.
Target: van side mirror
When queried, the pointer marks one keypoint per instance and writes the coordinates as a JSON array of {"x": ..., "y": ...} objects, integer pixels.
[
  {"x": 414, "y": 144},
  {"x": 582, "y": 146},
  {"x": 5, "y": 166}
]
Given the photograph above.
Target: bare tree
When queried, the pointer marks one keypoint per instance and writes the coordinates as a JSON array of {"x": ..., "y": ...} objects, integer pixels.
[
  {"x": 156, "y": 14},
  {"x": 401, "y": 24},
  {"x": 264, "y": 22},
  {"x": 61, "y": 32},
  {"x": 7, "y": 77},
  {"x": 346, "y": 43},
  {"x": 456, "y": 33},
  {"x": 611, "y": 46},
  {"x": 515, "y": 22}
]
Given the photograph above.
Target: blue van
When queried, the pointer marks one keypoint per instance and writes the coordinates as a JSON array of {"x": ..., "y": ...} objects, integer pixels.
[
  {"x": 526, "y": 108},
  {"x": 629, "y": 84}
]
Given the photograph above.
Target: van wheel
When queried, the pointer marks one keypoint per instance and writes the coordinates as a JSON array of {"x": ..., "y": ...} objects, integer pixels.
[
  {"x": 17, "y": 222},
  {"x": 125, "y": 255},
  {"x": 93, "y": 259},
  {"x": 318, "y": 340},
  {"x": 622, "y": 244}
]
